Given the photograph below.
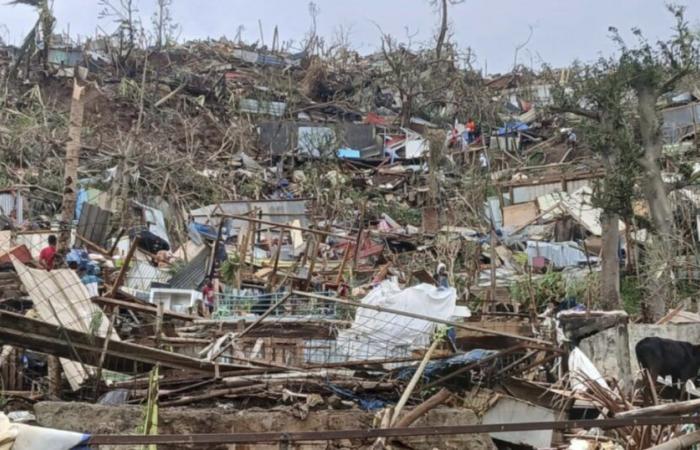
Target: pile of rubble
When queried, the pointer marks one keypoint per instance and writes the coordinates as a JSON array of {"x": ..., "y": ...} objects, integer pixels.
[{"x": 317, "y": 237}]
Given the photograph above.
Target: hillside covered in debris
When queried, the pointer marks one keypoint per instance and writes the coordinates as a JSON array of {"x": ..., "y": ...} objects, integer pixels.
[{"x": 222, "y": 243}]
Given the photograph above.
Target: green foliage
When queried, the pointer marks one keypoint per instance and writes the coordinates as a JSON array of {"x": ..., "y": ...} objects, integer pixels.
[
  {"x": 400, "y": 212},
  {"x": 631, "y": 294},
  {"x": 543, "y": 289},
  {"x": 554, "y": 286},
  {"x": 95, "y": 322},
  {"x": 229, "y": 270}
]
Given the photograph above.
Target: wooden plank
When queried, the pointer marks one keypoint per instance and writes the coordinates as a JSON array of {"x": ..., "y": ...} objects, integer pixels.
[
  {"x": 517, "y": 215},
  {"x": 124, "y": 357},
  {"x": 137, "y": 307}
]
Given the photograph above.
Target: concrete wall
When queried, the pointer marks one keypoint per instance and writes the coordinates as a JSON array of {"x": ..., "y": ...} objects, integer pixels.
[
  {"x": 99, "y": 419},
  {"x": 600, "y": 348}
]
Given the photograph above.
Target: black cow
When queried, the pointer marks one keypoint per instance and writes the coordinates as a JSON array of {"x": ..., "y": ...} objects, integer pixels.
[{"x": 680, "y": 360}]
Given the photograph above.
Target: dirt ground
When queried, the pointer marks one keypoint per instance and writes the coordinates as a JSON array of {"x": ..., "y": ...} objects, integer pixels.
[{"x": 98, "y": 419}]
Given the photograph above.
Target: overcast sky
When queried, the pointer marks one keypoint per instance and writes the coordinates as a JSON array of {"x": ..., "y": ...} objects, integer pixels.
[{"x": 564, "y": 30}]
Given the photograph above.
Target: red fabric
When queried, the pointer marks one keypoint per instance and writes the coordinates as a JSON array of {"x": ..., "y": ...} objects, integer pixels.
[
  {"x": 208, "y": 293},
  {"x": 375, "y": 119},
  {"x": 471, "y": 126},
  {"x": 47, "y": 256}
]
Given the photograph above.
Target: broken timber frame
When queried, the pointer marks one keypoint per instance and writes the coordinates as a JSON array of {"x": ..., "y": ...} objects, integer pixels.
[
  {"x": 281, "y": 225},
  {"x": 20, "y": 331}
]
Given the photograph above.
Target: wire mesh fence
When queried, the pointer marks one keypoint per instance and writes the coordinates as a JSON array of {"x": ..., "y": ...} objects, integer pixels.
[
  {"x": 321, "y": 330},
  {"x": 247, "y": 303}
]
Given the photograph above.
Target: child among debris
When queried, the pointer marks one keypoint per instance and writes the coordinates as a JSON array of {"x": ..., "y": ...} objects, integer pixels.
[
  {"x": 48, "y": 254},
  {"x": 208, "y": 294}
]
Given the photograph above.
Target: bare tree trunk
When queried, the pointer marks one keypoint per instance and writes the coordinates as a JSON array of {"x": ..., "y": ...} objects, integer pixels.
[
  {"x": 47, "y": 25},
  {"x": 443, "y": 31},
  {"x": 610, "y": 265},
  {"x": 659, "y": 204},
  {"x": 75, "y": 126}
]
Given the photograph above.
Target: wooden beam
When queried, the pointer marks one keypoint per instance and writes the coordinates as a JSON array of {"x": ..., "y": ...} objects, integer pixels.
[
  {"x": 124, "y": 269},
  {"x": 281, "y": 225},
  {"x": 147, "y": 309},
  {"x": 252, "y": 325},
  {"x": 20, "y": 331}
]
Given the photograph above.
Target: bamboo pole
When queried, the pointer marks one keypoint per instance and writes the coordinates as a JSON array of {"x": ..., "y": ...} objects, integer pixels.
[
  {"x": 420, "y": 410},
  {"x": 70, "y": 175},
  {"x": 124, "y": 269},
  {"x": 679, "y": 443},
  {"x": 414, "y": 381}
]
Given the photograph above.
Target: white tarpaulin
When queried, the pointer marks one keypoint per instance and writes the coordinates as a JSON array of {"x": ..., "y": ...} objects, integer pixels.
[
  {"x": 383, "y": 335},
  {"x": 580, "y": 365},
  {"x": 18, "y": 436}
]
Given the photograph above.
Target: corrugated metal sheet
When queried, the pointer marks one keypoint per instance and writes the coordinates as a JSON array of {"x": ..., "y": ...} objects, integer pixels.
[
  {"x": 264, "y": 59},
  {"x": 142, "y": 274},
  {"x": 12, "y": 202},
  {"x": 573, "y": 186},
  {"x": 94, "y": 224},
  {"x": 252, "y": 106},
  {"x": 522, "y": 194},
  {"x": 281, "y": 136},
  {"x": 61, "y": 299},
  {"x": 679, "y": 121},
  {"x": 359, "y": 135},
  {"x": 65, "y": 57},
  {"x": 492, "y": 209},
  {"x": 277, "y": 211},
  {"x": 156, "y": 222},
  {"x": 277, "y": 136},
  {"x": 315, "y": 141},
  {"x": 192, "y": 275}
]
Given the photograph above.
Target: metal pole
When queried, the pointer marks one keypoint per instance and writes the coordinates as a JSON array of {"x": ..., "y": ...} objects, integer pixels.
[{"x": 240, "y": 438}]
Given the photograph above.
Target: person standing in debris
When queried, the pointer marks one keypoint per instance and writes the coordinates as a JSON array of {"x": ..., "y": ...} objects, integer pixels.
[
  {"x": 471, "y": 130},
  {"x": 484, "y": 162},
  {"x": 48, "y": 254},
  {"x": 441, "y": 278},
  {"x": 388, "y": 151},
  {"x": 571, "y": 140},
  {"x": 208, "y": 294}
]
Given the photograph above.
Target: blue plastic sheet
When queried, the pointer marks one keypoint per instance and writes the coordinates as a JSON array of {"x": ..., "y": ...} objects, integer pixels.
[
  {"x": 436, "y": 369},
  {"x": 368, "y": 403},
  {"x": 348, "y": 153},
  {"x": 512, "y": 128},
  {"x": 81, "y": 199}
]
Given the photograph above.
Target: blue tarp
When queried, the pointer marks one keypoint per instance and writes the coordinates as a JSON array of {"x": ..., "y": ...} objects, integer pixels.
[
  {"x": 197, "y": 231},
  {"x": 436, "y": 369},
  {"x": 79, "y": 201},
  {"x": 348, "y": 153},
  {"x": 512, "y": 128},
  {"x": 368, "y": 403}
]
